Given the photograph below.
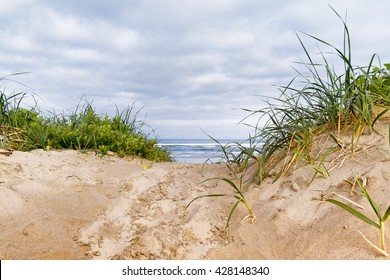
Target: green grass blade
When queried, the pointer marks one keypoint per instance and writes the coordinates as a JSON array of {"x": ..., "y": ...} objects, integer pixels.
[
  {"x": 230, "y": 182},
  {"x": 354, "y": 212},
  {"x": 335, "y": 140},
  {"x": 203, "y": 196},
  {"x": 232, "y": 211},
  {"x": 372, "y": 203},
  {"x": 387, "y": 214}
]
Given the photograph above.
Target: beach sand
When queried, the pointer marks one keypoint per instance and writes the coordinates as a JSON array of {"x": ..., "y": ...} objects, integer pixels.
[{"x": 72, "y": 205}]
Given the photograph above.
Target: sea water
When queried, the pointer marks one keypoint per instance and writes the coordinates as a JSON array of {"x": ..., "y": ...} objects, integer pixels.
[{"x": 196, "y": 150}]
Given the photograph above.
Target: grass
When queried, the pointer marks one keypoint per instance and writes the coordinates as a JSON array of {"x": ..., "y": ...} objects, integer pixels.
[
  {"x": 238, "y": 196},
  {"x": 380, "y": 225},
  {"x": 318, "y": 100},
  {"x": 81, "y": 129}
]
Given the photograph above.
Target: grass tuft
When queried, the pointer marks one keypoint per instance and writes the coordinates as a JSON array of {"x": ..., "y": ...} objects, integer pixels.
[
  {"x": 317, "y": 100},
  {"x": 238, "y": 195},
  {"x": 340, "y": 101}
]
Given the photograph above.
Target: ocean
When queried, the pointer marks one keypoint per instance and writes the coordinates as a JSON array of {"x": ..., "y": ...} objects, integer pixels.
[{"x": 195, "y": 150}]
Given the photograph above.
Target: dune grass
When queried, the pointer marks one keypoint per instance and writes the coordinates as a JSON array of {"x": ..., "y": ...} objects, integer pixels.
[
  {"x": 316, "y": 101},
  {"x": 81, "y": 129},
  {"x": 238, "y": 196},
  {"x": 320, "y": 99}
]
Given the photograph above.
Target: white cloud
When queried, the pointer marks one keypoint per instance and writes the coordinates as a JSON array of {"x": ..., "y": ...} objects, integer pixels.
[
  {"x": 11, "y": 6},
  {"x": 80, "y": 55},
  {"x": 67, "y": 29},
  {"x": 222, "y": 39},
  {"x": 56, "y": 29},
  {"x": 211, "y": 79},
  {"x": 19, "y": 43}
]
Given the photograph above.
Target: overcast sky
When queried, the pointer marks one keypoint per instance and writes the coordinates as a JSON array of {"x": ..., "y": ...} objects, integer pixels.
[{"x": 189, "y": 64}]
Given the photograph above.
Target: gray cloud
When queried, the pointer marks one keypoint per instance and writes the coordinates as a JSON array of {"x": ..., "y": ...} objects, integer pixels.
[{"x": 188, "y": 63}]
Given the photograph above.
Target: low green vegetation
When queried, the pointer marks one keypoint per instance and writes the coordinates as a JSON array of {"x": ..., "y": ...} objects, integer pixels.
[{"x": 83, "y": 129}]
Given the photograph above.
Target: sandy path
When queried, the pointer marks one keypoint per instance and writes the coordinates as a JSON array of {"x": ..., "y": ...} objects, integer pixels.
[{"x": 67, "y": 205}]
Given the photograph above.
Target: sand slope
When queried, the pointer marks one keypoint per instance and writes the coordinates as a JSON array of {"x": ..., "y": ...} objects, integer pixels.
[{"x": 70, "y": 205}]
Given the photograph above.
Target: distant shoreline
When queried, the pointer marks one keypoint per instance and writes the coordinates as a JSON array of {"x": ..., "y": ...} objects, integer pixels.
[{"x": 196, "y": 150}]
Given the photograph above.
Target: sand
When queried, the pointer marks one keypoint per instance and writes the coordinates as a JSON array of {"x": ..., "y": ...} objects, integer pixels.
[{"x": 72, "y": 205}]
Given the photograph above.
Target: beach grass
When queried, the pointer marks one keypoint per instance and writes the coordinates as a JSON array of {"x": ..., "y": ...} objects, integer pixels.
[
  {"x": 238, "y": 196},
  {"x": 317, "y": 100},
  {"x": 83, "y": 128},
  {"x": 320, "y": 100}
]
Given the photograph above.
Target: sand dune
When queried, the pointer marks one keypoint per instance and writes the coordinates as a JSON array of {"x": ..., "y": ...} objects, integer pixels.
[{"x": 71, "y": 205}]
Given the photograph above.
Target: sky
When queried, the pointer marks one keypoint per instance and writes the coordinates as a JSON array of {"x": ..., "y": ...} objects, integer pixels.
[{"x": 190, "y": 66}]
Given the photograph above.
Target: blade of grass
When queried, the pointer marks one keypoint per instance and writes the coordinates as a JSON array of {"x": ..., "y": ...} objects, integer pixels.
[
  {"x": 372, "y": 203},
  {"x": 232, "y": 211},
  {"x": 354, "y": 212},
  {"x": 387, "y": 214},
  {"x": 203, "y": 196}
]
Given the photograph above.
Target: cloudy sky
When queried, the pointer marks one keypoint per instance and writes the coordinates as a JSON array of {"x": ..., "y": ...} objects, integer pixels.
[{"x": 190, "y": 64}]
